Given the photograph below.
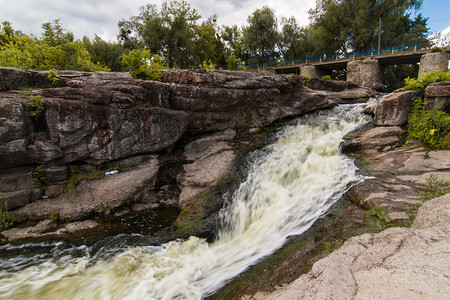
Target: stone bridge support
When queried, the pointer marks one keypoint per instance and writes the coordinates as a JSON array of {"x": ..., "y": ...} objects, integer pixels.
[
  {"x": 367, "y": 72},
  {"x": 431, "y": 62},
  {"x": 312, "y": 71}
]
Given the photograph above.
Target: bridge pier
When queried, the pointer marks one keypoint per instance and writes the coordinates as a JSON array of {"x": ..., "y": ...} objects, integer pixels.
[
  {"x": 431, "y": 62},
  {"x": 312, "y": 71},
  {"x": 366, "y": 72}
]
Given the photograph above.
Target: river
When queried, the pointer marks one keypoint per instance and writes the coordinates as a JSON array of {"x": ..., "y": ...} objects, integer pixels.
[{"x": 291, "y": 183}]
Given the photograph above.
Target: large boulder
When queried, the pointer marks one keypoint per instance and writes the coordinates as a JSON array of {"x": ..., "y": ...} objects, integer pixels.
[{"x": 394, "y": 109}]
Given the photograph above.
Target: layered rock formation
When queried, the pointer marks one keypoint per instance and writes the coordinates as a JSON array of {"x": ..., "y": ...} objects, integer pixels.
[{"x": 92, "y": 123}]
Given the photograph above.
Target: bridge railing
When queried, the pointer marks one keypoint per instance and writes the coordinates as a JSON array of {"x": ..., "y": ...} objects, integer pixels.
[{"x": 340, "y": 56}]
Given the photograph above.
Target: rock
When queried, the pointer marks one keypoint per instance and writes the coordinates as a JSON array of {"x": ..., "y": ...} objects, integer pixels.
[
  {"x": 397, "y": 263},
  {"x": 46, "y": 229},
  {"x": 374, "y": 140},
  {"x": 393, "y": 109},
  {"x": 102, "y": 196},
  {"x": 210, "y": 160},
  {"x": 437, "y": 96},
  {"x": 367, "y": 72}
]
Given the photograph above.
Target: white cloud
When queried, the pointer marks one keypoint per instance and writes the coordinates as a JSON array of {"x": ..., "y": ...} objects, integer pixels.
[{"x": 88, "y": 17}]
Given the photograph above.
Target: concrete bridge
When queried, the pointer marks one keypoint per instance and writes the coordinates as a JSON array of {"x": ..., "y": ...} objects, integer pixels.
[{"x": 368, "y": 71}]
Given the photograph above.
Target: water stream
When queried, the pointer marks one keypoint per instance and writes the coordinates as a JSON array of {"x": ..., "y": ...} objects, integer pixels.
[{"x": 290, "y": 184}]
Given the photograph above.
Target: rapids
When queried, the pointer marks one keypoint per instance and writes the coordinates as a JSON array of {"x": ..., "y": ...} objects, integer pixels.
[{"x": 290, "y": 184}]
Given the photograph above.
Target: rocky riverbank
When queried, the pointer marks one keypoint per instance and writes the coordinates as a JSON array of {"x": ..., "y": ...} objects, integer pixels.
[{"x": 90, "y": 146}]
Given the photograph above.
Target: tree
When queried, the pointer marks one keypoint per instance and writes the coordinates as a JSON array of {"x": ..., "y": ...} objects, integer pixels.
[
  {"x": 169, "y": 32},
  {"x": 56, "y": 50},
  {"x": 261, "y": 36},
  {"x": 294, "y": 40},
  {"x": 105, "y": 53},
  {"x": 344, "y": 25}
]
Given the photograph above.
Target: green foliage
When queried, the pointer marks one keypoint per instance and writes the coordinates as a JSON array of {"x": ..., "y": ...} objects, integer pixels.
[
  {"x": 76, "y": 176},
  {"x": 326, "y": 77},
  {"x": 143, "y": 65},
  {"x": 436, "y": 49},
  {"x": 394, "y": 76},
  {"x": 422, "y": 82},
  {"x": 208, "y": 65},
  {"x": 234, "y": 63},
  {"x": 6, "y": 220},
  {"x": 39, "y": 173},
  {"x": 105, "y": 53},
  {"x": 53, "y": 77},
  {"x": 54, "y": 215},
  {"x": 307, "y": 79},
  {"x": 379, "y": 219},
  {"x": 429, "y": 126},
  {"x": 434, "y": 188},
  {"x": 261, "y": 35},
  {"x": 331, "y": 246},
  {"x": 55, "y": 50},
  {"x": 35, "y": 106}
]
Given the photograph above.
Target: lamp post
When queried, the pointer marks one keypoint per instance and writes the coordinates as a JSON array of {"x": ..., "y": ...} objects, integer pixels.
[{"x": 379, "y": 37}]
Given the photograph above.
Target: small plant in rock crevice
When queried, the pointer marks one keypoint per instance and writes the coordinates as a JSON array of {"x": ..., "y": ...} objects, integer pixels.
[
  {"x": 331, "y": 246},
  {"x": 39, "y": 173},
  {"x": 35, "y": 106},
  {"x": 379, "y": 219},
  {"x": 6, "y": 219},
  {"x": 53, "y": 77}
]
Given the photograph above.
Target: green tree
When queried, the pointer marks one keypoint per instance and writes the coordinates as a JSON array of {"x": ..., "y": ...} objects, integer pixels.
[
  {"x": 143, "y": 65},
  {"x": 169, "y": 32},
  {"x": 294, "y": 42},
  {"x": 261, "y": 35},
  {"x": 55, "y": 35},
  {"x": 105, "y": 53},
  {"x": 343, "y": 25}
]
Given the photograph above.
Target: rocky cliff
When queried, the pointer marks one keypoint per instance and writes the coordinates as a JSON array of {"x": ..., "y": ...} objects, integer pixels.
[{"x": 170, "y": 141}]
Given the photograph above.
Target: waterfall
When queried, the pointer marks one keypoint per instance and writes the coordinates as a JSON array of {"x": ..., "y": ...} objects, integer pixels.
[{"x": 290, "y": 184}]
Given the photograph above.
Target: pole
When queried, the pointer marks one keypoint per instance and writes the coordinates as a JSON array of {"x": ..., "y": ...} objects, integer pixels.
[{"x": 379, "y": 37}]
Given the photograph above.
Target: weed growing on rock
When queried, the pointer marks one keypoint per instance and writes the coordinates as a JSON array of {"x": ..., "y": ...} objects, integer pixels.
[
  {"x": 331, "y": 246},
  {"x": 326, "y": 77},
  {"x": 434, "y": 187},
  {"x": 53, "y": 77},
  {"x": 379, "y": 219},
  {"x": 54, "y": 215},
  {"x": 39, "y": 173},
  {"x": 6, "y": 220},
  {"x": 35, "y": 106}
]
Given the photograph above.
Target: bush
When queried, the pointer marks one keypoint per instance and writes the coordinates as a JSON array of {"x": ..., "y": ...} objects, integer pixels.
[
  {"x": 422, "y": 82},
  {"x": 326, "y": 77},
  {"x": 143, "y": 65},
  {"x": 436, "y": 49},
  {"x": 429, "y": 126}
]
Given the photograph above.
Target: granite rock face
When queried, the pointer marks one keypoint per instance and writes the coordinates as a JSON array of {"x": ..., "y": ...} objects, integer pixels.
[
  {"x": 398, "y": 263},
  {"x": 94, "y": 122},
  {"x": 437, "y": 96},
  {"x": 393, "y": 109}
]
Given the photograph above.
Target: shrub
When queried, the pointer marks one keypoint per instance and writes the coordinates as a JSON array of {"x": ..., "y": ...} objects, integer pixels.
[
  {"x": 436, "y": 49},
  {"x": 35, "y": 106},
  {"x": 53, "y": 77},
  {"x": 207, "y": 65},
  {"x": 422, "y": 82},
  {"x": 429, "y": 126},
  {"x": 143, "y": 65},
  {"x": 326, "y": 77}
]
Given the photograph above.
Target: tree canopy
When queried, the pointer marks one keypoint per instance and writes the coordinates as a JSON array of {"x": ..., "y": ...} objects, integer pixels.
[{"x": 181, "y": 38}]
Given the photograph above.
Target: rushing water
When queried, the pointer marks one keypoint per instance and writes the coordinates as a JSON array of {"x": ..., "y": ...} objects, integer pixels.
[{"x": 290, "y": 184}]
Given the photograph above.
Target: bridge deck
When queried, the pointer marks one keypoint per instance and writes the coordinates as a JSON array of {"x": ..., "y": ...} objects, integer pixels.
[{"x": 385, "y": 60}]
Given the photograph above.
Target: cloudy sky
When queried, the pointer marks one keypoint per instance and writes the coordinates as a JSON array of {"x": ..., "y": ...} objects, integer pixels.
[{"x": 90, "y": 17}]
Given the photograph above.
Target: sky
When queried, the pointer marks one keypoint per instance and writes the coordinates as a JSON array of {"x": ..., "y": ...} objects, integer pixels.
[{"x": 100, "y": 17}]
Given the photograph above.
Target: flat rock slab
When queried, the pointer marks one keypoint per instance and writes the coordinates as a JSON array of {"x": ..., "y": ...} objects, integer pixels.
[{"x": 398, "y": 263}]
